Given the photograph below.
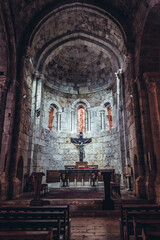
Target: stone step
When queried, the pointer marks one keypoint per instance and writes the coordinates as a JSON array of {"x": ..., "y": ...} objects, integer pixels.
[{"x": 95, "y": 213}]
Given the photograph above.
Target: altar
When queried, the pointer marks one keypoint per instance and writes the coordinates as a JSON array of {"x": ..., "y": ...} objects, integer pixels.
[{"x": 81, "y": 176}]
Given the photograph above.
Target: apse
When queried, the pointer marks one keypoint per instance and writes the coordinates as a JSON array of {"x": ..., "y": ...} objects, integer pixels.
[{"x": 76, "y": 51}]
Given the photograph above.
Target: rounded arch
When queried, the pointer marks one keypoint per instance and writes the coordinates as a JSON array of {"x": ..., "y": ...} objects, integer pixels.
[
  {"x": 80, "y": 116},
  {"x": 52, "y": 39},
  {"x": 149, "y": 59},
  {"x": 105, "y": 10},
  {"x": 55, "y": 104},
  {"x": 106, "y": 115},
  {"x": 54, "y": 116},
  {"x": 80, "y": 101}
]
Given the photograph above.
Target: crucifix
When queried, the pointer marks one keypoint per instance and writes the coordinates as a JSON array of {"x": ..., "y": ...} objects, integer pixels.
[{"x": 80, "y": 142}]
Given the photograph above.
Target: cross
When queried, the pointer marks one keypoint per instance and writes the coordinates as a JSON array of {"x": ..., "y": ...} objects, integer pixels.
[{"x": 80, "y": 142}]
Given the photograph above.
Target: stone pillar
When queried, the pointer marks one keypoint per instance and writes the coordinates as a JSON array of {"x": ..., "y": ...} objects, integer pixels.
[
  {"x": 34, "y": 93},
  {"x": 125, "y": 159},
  {"x": 39, "y": 99},
  {"x": 37, "y": 141},
  {"x": 150, "y": 177},
  {"x": 102, "y": 120},
  {"x": 148, "y": 151},
  {"x": 33, "y": 120},
  {"x": 58, "y": 121},
  {"x": 108, "y": 202},
  {"x": 152, "y": 81},
  {"x": 72, "y": 120},
  {"x": 138, "y": 102},
  {"x": 118, "y": 74},
  {"x": 5, "y": 154},
  {"x": 3, "y": 94}
]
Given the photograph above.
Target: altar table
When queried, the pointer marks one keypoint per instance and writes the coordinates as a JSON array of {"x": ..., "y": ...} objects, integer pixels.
[{"x": 79, "y": 175}]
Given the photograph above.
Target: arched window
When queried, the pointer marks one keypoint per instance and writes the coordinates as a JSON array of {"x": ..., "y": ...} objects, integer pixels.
[
  {"x": 51, "y": 118},
  {"x": 110, "y": 120},
  {"x": 54, "y": 117},
  {"x": 81, "y": 118}
]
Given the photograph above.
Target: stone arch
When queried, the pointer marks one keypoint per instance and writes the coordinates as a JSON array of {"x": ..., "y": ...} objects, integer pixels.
[
  {"x": 106, "y": 116},
  {"x": 77, "y": 104},
  {"x": 54, "y": 116},
  {"x": 34, "y": 28},
  {"x": 55, "y": 104},
  {"x": 149, "y": 59},
  {"x": 80, "y": 101}
]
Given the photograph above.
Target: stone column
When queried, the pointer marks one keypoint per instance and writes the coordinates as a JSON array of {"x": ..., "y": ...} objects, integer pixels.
[
  {"x": 152, "y": 81},
  {"x": 58, "y": 121},
  {"x": 3, "y": 95},
  {"x": 7, "y": 136},
  {"x": 118, "y": 74},
  {"x": 39, "y": 99},
  {"x": 72, "y": 120},
  {"x": 123, "y": 103},
  {"x": 102, "y": 120},
  {"x": 146, "y": 151},
  {"x": 108, "y": 202},
  {"x": 38, "y": 123},
  {"x": 33, "y": 120},
  {"x": 3, "y": 146},
  {"x": 138, "y": 110}
]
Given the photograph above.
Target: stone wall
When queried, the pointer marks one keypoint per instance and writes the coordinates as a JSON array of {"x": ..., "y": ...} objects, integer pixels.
[{"x": 55, "y": 150}]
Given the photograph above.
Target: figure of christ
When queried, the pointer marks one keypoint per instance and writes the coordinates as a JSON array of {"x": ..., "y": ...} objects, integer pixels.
[{"x": 80, "y": 142}]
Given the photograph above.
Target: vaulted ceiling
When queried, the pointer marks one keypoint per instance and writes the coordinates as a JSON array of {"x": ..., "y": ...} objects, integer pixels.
[{"x": 78, "y": 45}]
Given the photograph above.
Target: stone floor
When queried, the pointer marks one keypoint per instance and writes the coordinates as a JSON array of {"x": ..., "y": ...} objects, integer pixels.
[
  {"x": 107, "y": 228},
  {"x": 88, "y": 220}
]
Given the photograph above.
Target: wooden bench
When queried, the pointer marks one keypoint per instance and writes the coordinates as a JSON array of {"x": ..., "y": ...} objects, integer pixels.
[
  {"x": 26, "y": 235},
  {"x": 147, "y": 223},
  {"x": 31, "y": 225},
  {"x": 131, "y": 211},
  {"x": 150, "y": 234},
  {"x": 56, "y": 217}
]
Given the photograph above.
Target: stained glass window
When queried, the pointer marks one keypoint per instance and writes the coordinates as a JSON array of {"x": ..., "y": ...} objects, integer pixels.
[
  {"x": 110, "y": 118},
  {"x": 81, "y": 115},
  {"x": 51, "y": 118}
]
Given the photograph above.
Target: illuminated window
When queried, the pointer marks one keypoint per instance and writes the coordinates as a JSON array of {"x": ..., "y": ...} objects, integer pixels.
[
  {"x": 110, "y": 120},
  {"x": 81, "y": 115},
  {"x": 51, "y": 119}
]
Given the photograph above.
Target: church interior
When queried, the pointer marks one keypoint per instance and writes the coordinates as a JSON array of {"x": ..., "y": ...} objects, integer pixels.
[{"x": 79, "y": 119}]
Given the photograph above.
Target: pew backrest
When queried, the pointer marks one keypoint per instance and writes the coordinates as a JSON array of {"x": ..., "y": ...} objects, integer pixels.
[
  {"x": 59, "y": 215},
  {"x": 26, "y": 235}
]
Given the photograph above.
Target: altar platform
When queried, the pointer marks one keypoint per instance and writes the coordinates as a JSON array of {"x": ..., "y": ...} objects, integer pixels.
[{"x": 76, "y": 193}]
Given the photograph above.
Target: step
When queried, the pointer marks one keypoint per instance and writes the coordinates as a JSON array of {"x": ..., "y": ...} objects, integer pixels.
[{"x": 95, "y": 213}]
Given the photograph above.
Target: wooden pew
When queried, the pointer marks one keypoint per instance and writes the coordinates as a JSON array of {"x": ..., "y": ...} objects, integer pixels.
[
  {"x": 130, "y": 211},
  {"x": 150, "y": 234},
  {"x": 26, "y": 235},
  {"x": 147, "y": 223},
  {"x": 57, "y": 216},
  {"x": 31, "y": 225}
]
